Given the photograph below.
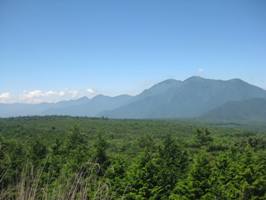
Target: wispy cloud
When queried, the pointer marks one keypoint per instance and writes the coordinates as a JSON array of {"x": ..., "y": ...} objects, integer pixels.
[
  {"x": 40, "y": 96},
  {"x": 5, "y": 97},
  {"x": 91, "y": 91}
]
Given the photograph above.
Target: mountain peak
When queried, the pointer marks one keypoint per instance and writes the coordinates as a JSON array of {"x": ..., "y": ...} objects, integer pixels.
[
  {"x": 82, "y": 100},
  {"x": 194, "y": 78},
  {"x": 236, "y": 80},
  {"x": 168, "y": 82},
  {"x": 161, "y": 87}
]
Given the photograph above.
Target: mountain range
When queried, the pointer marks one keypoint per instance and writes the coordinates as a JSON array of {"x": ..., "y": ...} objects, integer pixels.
[{"x": 194, "y": 97}]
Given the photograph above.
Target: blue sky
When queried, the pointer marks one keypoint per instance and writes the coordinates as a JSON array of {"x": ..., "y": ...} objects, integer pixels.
[{"x": 113, "y": 47}]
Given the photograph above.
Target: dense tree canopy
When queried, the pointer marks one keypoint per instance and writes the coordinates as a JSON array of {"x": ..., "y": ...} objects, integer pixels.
[{"x": 81, "y": 158}]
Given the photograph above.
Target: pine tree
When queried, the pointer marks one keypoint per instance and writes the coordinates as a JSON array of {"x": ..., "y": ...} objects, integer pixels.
[{"x": 100, "y": 156}]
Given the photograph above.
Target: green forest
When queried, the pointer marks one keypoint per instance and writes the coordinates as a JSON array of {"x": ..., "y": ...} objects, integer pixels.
[{"x": 99, "y": 158}]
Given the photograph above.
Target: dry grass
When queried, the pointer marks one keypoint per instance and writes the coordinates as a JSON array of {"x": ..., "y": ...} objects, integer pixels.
[{"x": 83, "y": 185}]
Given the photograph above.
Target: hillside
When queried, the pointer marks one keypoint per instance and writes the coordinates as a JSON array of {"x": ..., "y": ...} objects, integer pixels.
[{"x": 247, "y": 110}]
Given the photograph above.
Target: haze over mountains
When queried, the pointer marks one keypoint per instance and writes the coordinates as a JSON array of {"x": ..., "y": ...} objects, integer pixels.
[{"x": 194, "y": 97}]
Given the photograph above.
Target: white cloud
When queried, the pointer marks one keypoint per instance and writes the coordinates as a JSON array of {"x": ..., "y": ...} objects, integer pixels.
[
  {"x": 91, "y": 91},
  {"x": 51, "y": 92},
  {"x": 4, "y": 97},
  {"x": 61, "y": 93},
  {"x": 33, "y": 94},
  {"x": 38, "y": 96},
  {"x": 41, "y": 96},
  {"x": 73, "y": 93}
]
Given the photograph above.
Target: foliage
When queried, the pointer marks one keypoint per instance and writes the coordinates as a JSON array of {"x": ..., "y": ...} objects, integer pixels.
[{"x": 83, "y": 158}]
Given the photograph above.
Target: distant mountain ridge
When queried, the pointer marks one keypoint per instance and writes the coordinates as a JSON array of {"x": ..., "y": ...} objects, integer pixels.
[
  {"x": 89, "y": 107},
  {"x": 186, "y": 99},
  {"x": 194, "y": 97},
  {"x": 79, "y": 107}
]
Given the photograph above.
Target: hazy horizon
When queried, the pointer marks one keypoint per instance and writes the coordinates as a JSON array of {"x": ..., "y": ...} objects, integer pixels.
[{"x": 39, "y": 96}]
